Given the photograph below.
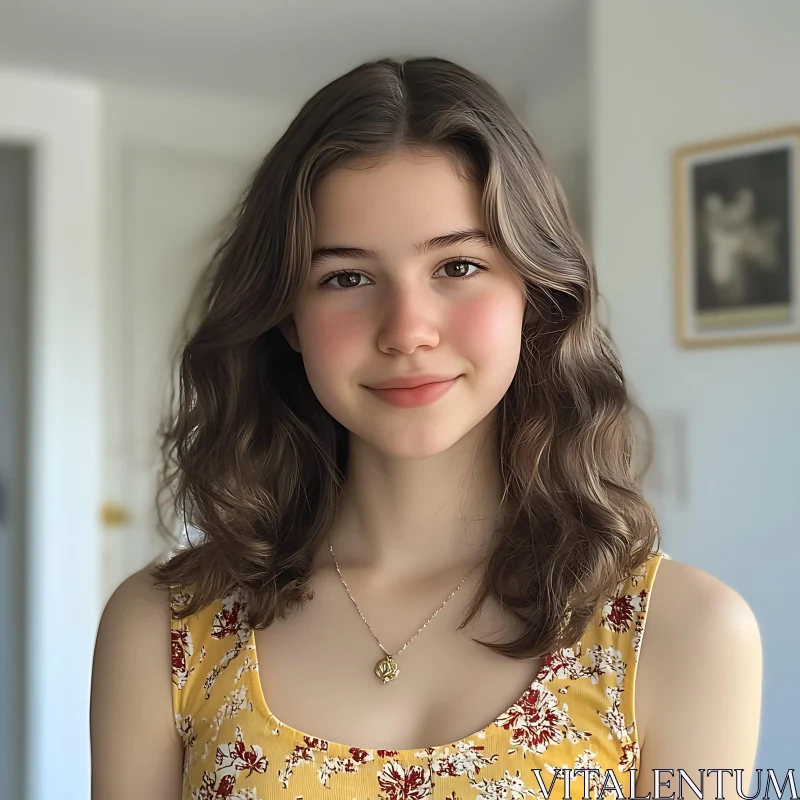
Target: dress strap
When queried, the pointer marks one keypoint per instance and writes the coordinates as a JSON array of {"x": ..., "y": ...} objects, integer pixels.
[
  {"x": 206, "y": 649},
  {"x": 623, "y": 619}
]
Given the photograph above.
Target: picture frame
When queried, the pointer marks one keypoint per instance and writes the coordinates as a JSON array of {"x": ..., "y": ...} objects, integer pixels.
[{"x": 736, "y": 228}]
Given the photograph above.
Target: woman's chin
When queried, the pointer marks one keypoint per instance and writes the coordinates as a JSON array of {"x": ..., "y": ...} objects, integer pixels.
[{"x": 414, "y": 441}]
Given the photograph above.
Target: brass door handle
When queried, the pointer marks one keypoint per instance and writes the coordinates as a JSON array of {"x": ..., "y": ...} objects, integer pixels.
[{"x": 113, "y": 515}]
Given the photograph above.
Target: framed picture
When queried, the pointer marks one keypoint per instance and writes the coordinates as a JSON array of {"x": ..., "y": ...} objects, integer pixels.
[{"x": 737, "y": 264}]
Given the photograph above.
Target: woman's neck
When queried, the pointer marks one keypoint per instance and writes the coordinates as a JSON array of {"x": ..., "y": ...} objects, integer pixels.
[{"x": 404, "y": 517}]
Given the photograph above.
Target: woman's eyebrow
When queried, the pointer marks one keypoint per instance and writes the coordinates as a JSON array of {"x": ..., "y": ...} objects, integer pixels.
[{"x": 321, "y": 255}]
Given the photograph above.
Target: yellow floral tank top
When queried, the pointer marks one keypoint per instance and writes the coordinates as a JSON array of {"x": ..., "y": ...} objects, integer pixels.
[{"x": 576, "y": 715}]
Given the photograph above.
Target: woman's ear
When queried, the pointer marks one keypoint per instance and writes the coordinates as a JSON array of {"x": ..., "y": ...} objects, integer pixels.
[{"x": 289, "y": 331}]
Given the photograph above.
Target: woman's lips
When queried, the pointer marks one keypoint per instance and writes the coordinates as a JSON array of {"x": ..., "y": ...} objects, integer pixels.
[{"x": 418, "y": 396}]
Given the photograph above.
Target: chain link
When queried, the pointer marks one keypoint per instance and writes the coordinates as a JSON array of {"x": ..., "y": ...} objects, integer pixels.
[{"x": 336, "y": 564}]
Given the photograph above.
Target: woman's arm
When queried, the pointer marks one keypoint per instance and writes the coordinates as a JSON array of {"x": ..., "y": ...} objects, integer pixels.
[
  {"x": 699, "y": 684},
  {"x": 136, "y": 749}
]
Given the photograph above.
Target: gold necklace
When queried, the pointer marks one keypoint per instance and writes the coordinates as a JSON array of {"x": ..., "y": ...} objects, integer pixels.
[{"x": 386, "y": 669}]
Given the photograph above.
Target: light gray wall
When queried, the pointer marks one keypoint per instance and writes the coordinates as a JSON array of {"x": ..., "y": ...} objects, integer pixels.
[
  {"x": 664, "y": 75},
  {"x": 559, "y": 120}
]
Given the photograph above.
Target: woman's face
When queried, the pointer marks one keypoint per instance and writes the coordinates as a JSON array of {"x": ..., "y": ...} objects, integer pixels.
[{"x": 400, "y": 312}]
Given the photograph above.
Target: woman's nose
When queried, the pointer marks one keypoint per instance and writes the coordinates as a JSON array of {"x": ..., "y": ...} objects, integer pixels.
[{"x": 409, "y": 319}]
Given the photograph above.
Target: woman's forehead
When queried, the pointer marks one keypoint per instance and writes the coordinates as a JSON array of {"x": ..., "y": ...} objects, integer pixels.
[{"x": 404, "y": 199}]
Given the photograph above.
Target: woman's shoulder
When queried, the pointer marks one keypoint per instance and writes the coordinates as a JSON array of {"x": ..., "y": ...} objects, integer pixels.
[
  {"x": 137, "y": 603},
  {"x": 131, "y": 681},
  {"x": 686, "y": 600},
  {"x": 135, "y": 624},
  {"x": 698, "y": 628},
  {"x": 133, "y": 633}
]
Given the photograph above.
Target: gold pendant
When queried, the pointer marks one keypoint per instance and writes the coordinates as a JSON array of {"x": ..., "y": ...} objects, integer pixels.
[{"x": 386, "y": 669}]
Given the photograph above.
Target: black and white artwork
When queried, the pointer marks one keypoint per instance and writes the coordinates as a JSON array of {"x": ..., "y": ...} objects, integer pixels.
[{"x": 738, "y": 273}]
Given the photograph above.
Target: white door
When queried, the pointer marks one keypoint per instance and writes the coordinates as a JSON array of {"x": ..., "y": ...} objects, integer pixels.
[{"x": 173, "y": 204}]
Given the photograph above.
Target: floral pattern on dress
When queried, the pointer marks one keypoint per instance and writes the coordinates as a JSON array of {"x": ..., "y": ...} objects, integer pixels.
[
  {"x": 467, "y": 759},
  {"x": 228, "y": 623},
  {"x": 577, "y": 714},
  {"x": 412, "y": 782},
  {"x": 229, "y": 760},
  {"x": 182, "y": 645},
  {"x": 537, "y": 721}
]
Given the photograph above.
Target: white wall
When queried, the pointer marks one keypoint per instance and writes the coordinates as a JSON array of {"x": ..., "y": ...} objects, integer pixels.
[
  {"x": 62, "y": 119},
  {"x": 559, "y": 122},
  {"x": 665, "y": 74}
]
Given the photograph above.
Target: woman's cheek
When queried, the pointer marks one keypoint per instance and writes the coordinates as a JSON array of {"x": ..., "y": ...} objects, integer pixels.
[
  {"x": 488, "y": 327},
  {"x": 331, "y": 343}
]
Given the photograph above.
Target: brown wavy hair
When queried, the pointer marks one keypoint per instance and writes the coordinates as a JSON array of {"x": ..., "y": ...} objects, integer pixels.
[{"x": 253, "y": 461}]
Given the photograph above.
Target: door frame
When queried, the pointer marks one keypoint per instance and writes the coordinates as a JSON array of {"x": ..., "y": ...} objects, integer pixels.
[
  {"x": 61, "y": 120},
  {"x": 14, "y": 281}
]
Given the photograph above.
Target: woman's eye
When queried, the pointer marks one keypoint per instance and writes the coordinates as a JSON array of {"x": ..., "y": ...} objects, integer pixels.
[
  {"x": 461, "y": 267},
  {"x": 348, "y": 279}
]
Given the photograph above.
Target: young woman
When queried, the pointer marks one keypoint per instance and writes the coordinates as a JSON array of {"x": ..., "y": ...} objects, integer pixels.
[{"x": 430, "y": 592}]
